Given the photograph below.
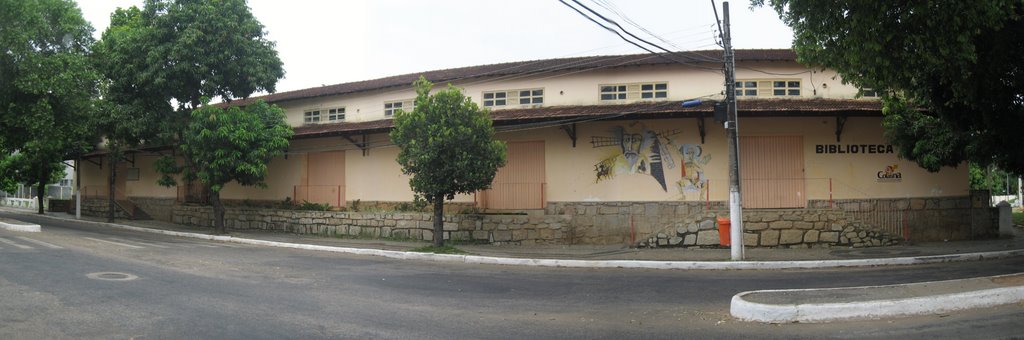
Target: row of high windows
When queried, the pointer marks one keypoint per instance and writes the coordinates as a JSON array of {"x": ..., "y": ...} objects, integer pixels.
[{"x": 607, "y": 93}]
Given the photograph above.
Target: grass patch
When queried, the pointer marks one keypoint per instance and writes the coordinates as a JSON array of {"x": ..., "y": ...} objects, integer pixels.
[
  {"x": 440, "y": 250},
  {"x": 1018, "y": 217}
]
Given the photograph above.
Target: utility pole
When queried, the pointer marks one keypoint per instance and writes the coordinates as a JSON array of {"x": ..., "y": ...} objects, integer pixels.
[
  {"x": 731, "y": 127},
  {"x": 78, "y": 188},
  {"x": 1020, "y": 193}
]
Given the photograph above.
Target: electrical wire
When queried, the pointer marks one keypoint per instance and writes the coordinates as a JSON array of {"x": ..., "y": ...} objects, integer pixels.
[
  {"x": 570, "y": 64},
  {"x": 615, "y": 9},
  {"x": 624, "y": 30},
  {"x": 668, "y": 55}
]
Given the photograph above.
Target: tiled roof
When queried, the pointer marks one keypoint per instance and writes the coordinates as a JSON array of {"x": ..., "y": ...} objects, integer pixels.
[
  {"x": 709, "y": 58},
  {"x": 640, "y": 110}
]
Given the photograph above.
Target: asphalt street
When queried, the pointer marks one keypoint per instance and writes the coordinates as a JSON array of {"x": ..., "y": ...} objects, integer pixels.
[{"x": 81, "y": 281}]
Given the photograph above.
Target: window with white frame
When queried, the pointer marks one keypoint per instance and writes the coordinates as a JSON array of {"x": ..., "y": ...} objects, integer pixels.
[
  {"x": 393, "y": 106},
  {"x": 634, "y": 91},
  {"x": 513, "y": 97},
  {"x": 336, "y": 114},
  {"x": 654, "y": 91},
  {"x": 746, "y": 88},
  {"x": 869, "y": 93},
  {"x": 768, "y": 88},
  {"x": 613, "y": 92},
  {"x": 492, "y": 99},
  {"x": 786, "y": 88},
  {"x": 535, "y": 96},
  {"x": 311, "y": 116}
]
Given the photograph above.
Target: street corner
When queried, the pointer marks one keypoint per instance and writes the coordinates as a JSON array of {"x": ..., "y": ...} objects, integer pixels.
[
  {"x": 876, "y": 302},
  {"x": 15, "y": 225}
]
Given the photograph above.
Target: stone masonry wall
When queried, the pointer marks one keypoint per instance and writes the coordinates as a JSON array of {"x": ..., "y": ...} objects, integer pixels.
[
  {"x": 495, "y": 229},
  {"x": 777, "y": 228},
  {"x": 97, "y": 207},
  {"x": 160, "y": 209},
  {"x": 859, "y": 223},
  {"x": 625, "y": 223},
  {"x": 923, "y": 219}
]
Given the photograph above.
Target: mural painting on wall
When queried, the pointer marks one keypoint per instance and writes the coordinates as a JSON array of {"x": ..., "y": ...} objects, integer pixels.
[{"x": 639, "y": 150}]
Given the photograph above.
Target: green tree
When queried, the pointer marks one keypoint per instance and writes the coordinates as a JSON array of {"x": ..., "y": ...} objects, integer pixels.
[
  {"x": 31, "y": 170},
  {"x": 950, "y": 71},
  {"x": 233, "y": 144},
  {"x": 163, "y": 59},
  {"x": 47, "y": 89},
  {"x": 997, "y": 181},
  {"x": 447, "y": 145},
  {"x": 134, "y": 110}
]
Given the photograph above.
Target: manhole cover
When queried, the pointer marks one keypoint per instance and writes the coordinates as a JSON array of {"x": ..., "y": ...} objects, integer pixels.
[{"x": 111, "y": 276}]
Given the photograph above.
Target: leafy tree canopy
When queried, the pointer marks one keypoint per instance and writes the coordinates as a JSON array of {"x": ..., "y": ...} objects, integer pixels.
[
  {"x": 184, "y": 50},
  {"x": 232, "y": 144},
  {"x": 47, "y": 87},
  {"x": 997, "y": 181},
  {"x": 165, "y": 59},
  {"x": 950, "y": 71},
  {"x": 447, "y": 145}
]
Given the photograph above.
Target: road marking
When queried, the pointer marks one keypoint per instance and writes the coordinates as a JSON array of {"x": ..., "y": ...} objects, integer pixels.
[
  {"x": 140, "y": 242},
  {"x": 14, "y": 244},
  {"x": 115, "y": 243},
  {"x": 206, "y": 245},
  {"x": 44, "y": 244},
  {"x": 182, "y": 244}
]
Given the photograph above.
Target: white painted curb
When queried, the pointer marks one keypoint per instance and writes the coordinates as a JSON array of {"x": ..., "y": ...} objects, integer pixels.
[
  {"x": 29, "y": 228},
  {"x": 867, "y": 310},
  {"x": 630, "y": 264}
]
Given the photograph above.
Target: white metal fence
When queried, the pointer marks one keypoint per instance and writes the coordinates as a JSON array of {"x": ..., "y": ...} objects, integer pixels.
[
  {"x": 23, "y": 203},
  {"x": 1012, "y": 199}
]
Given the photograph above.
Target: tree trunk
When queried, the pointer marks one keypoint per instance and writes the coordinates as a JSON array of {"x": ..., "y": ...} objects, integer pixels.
[
  {"x": 110, "y": 190},
  {"x": 41, "y": 189},
  {"x": 439, "y": 221},
  {"x": 218, "y": 212}
]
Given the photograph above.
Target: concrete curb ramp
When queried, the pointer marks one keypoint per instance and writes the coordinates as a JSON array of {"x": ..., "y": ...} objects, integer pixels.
[
  {"x": 629, "y": 264},
  {"x": 876, "y": 302},
  {"x": 13, "y": 225}
]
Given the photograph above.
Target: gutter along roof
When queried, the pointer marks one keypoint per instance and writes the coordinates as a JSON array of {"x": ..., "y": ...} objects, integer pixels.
[
  {"x": 557, "y": 115},
  {"x": 641, "y": 110},
  {"x": 568, "y": 114}
]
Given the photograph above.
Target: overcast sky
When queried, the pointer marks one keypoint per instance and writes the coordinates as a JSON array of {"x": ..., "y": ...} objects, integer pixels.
[{"x": 326, "y": 42}]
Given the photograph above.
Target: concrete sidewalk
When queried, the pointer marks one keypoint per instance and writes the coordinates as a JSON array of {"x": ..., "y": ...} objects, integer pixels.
[
  {"x": 951, "y": 251},
  {"x": 876, "y": 302},
  {"x": 775, "y": 306}
]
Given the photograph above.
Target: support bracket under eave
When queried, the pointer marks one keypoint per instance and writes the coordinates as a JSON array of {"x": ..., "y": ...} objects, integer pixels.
[
  {"x": 571, "y": 131},
  {"x": 361, "y": 145},
  {"x": 701, "y": 128},
  {"x": 840, "y": 123},
  {"x": 130, "y": 158},
  {"x": 99, "y": 164}
]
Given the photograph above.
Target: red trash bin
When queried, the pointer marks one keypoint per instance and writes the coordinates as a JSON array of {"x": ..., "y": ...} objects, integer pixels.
[{"x": 723, "y": 231}]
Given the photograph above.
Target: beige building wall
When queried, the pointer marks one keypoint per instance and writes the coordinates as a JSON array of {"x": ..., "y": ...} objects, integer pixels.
[
  {"x": 692, "y": 171},
  {"x": 855, "y": 176},
  {"x": 597, "y": 169},
  {"x": 93, "y": 176},
  {"x": 582, "y": 88},
  {"x": 146, "y": 185}
]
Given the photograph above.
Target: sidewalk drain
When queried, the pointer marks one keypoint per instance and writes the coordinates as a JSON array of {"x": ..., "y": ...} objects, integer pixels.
[
  {"x": 111, "y": 276},
  {"x": 874, "y": 252}
]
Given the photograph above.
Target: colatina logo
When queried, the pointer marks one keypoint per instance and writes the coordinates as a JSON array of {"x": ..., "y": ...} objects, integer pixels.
[{"x": 890, "y": 174}]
